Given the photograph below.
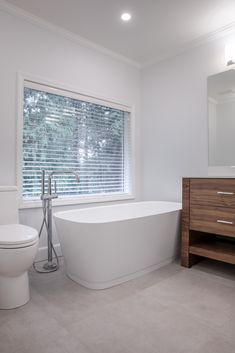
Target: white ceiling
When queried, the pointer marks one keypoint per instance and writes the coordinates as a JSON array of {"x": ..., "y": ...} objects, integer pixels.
[{"x": 158, "y": 28}]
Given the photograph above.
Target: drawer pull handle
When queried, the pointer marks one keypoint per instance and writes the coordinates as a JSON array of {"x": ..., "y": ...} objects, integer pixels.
[
  {"x": 224, "y": 193},
  {"x": 224, "y": 222}
]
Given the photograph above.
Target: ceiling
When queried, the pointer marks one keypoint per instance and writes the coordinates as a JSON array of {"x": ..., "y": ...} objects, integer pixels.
[{"x": 158, "y": 28}]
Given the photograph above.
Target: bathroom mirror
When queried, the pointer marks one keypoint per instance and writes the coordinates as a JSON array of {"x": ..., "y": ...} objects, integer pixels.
[{"x": 221, "y": 120}]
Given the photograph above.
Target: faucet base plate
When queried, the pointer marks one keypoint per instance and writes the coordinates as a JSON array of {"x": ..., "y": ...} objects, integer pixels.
[{"x": 50, "y": 266}]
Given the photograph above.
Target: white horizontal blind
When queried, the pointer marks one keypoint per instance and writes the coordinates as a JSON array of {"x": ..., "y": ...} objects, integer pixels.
[{"x": 65, "y": 133}]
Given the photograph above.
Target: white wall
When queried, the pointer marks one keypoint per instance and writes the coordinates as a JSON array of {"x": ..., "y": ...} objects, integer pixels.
[
  {"x": 38, "y": 51},
  {"x": 174, "y": 119}
]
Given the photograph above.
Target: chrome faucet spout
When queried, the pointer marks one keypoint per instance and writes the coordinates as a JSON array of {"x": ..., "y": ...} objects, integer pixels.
[{"x": 58, "y": 172}]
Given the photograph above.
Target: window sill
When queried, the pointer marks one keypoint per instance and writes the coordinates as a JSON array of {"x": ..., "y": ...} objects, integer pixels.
[{"x": 77, "y": 201}]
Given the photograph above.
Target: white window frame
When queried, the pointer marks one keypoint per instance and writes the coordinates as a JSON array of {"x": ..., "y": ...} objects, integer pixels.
[{"x": 53, "y": 87}]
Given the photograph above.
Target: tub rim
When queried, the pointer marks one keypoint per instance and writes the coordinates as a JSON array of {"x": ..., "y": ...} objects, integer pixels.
[{"x": 61, "y": 215}]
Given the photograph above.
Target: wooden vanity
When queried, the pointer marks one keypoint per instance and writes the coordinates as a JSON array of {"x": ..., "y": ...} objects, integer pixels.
[{"x": 208, "y": 220}]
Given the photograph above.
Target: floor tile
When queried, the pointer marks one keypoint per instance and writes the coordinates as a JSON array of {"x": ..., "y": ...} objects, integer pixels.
[{"x": 169, "y": 310}]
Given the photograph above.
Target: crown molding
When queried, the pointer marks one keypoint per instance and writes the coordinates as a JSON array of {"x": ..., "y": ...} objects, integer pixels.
[
  {"x": 207, "y": 38},
  {"x": 16, "y": 11},
  {"x": 219, "y": 33}
]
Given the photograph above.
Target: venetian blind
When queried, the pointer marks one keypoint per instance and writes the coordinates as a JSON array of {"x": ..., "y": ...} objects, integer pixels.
[{"x": 62, "y": 132}]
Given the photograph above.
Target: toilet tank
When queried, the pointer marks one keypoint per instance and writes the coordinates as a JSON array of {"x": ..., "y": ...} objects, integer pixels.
[{"x": 8, "y": 205}]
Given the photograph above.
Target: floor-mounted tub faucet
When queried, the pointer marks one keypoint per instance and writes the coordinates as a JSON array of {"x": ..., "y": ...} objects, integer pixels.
[{"x": 47, "y": 197}]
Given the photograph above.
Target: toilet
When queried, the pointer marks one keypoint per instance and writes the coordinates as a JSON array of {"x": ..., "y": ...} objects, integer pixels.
[{"x": 18, "y": 247}]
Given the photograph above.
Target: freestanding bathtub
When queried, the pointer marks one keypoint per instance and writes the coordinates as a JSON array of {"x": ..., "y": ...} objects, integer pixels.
[{"x": 107, "y": 245}]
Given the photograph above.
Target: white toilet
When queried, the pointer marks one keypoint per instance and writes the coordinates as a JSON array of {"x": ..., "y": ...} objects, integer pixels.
[{"x": 18, "y": 247}]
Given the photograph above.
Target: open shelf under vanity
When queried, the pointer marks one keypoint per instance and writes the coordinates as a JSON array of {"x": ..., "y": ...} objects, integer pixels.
[{"x": 215, "y": 249}]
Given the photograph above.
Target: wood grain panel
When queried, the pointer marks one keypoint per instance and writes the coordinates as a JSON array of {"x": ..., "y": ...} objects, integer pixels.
[
  {"x": 207, "y": 192},
  {"x": 187, "y": 259},
  {"x": 209, "y": 219},
  {"x": 185, "y": 223},
  {"x": 215, "y": 250}
]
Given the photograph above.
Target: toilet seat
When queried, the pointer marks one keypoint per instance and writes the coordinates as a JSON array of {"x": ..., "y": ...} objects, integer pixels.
[{"x": 14, "y": 236}]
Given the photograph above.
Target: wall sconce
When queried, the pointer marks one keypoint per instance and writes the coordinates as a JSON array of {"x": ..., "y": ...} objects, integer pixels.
[{"x": 229, "y": 54}]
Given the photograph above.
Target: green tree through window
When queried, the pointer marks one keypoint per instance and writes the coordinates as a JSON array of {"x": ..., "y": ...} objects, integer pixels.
[{"x": 65, "y": 133}]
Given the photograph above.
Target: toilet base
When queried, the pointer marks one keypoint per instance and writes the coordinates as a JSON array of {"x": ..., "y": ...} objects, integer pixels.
[{"x": 14, "y": 291}]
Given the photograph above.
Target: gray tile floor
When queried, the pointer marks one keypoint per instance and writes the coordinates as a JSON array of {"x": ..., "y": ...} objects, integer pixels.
[{"x": 171, "y": 310}]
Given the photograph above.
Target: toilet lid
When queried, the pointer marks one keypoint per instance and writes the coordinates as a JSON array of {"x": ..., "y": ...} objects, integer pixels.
[{"x": 17, "y": 235}]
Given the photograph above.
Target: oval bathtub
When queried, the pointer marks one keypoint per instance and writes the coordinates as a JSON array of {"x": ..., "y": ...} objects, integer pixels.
[{"x": 107, "y": 245}]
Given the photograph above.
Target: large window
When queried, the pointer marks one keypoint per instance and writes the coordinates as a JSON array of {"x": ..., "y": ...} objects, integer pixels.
[{"x": 66, "y": 131}]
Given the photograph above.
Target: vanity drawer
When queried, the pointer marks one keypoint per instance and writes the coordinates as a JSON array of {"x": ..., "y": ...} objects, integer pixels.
[
  {"x": 212, "y": 192},
  {"x": 217, "y": 220}
]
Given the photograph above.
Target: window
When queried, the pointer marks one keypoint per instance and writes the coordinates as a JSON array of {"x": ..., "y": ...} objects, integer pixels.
[{"x": 66, "y": 131}]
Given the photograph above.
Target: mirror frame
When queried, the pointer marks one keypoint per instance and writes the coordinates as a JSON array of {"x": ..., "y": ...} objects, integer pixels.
[{"x": 217, "y": 171}]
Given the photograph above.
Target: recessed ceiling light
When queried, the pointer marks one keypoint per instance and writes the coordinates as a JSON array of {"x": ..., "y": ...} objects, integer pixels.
[{"x": 126, "y": 16}]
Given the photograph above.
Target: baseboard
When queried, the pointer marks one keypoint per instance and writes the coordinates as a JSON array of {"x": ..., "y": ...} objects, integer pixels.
[{"x": 42, "y": 252}]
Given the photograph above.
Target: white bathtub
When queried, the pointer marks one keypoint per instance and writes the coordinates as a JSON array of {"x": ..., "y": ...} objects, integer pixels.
[{"x": 105, "y": 246}]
